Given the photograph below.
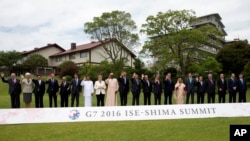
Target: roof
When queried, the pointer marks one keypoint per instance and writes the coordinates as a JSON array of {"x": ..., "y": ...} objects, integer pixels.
[
  {"x": 41, "y": 48},
  {"x": 89, "y": 46},
  {"x": 213, "y": 14}
]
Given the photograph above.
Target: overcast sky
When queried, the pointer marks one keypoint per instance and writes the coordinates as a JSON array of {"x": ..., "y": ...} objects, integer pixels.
[{"x": 25, "y": 24}]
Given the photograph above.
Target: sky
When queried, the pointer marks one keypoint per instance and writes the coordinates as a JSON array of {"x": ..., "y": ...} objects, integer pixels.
[{"x": 26, "y": 24}]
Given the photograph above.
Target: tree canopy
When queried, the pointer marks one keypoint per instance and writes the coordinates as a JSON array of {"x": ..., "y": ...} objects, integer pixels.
[
  {"x": 68, "y": 68},
  {"x": 9, "y": 59},
  {"x": 114, "y": 25},
  {"x": 234, "y": 56},
  {"x": 35, "y": 61},
  {"x": 174, "y": 42}
]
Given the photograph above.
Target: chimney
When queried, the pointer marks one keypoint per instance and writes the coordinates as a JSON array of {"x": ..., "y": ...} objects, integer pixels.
[{"x": 73, "y": 46}]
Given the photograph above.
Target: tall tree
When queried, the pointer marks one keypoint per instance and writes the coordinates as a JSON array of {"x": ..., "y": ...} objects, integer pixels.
[
  {"x": 174, "y": 43},
  {"x": 234, "y": 56},
  {"x": 34, "y": 61},
  {"x": 9, "y": 59},
  {"x": 68, "y": 68},
  {"x": 114, "y": 25}
]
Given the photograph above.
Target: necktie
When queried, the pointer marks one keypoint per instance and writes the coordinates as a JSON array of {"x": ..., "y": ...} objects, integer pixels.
[
  {"x": 76, "y": 81},
  {"x": 148, "y": 83},
  {"x": 241, "y": 81},
  {"x": 124, "y": 80},
  {"x": 211, "y": 81}
]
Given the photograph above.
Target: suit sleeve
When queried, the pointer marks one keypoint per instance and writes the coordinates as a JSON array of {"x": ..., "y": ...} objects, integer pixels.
[{"x": 4, "y": 80}]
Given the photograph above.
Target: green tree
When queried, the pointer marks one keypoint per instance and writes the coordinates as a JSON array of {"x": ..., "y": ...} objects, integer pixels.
[
  {"x": 139, "y": 66},
  {"x": 234, "y": 56},
  {"x": 246, "y": 71},
  {"x": 68, "y": 68},
  {"x": 9, "y": 59},
  {"x": 211, "y": 65},
  {"x": 174, "y": 43},
  {"x": 34, "y": 61},
  {"x": 114, "y": 25}
]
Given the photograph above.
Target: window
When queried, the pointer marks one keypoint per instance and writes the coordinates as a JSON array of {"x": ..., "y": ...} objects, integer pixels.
[
  {"x": 84, "y": 54},
  {"x": 72, "y": 56},
  {"x": 58, "y": 59}
]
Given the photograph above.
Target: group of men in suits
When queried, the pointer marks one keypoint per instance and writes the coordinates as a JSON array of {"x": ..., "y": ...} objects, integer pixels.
[
  {"x": 193, "y": 85},
  {"x": 148, "y": 87},
  {"x": 232, "y": 85},
  {"x": 66, "y": 88}
]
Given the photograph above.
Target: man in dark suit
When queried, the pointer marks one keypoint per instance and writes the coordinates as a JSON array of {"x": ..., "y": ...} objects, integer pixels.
[
  {"x": 64, "y": 92},
  {"x": 168, "y": 89},
  {"x": 39, "y": 91},
  {"x": 123, "y": 88},
  {"x": 201, "y": 89},
  {"x": 157, "y": 89},
  {"x": 222, "y": 88},
  {"x": 210, "y": 89},
  {"x": 232, "y": 88},
  {"x": 190, "y": 83},
  {"x": 147, "y": 89},
  {"x": 14, "y": 89},
  {"x": 135, "y": 89},
  {"x": 52, "y": 89},
  {"x": 242, "y": 88},
  {"x": 75, "y": 90}
]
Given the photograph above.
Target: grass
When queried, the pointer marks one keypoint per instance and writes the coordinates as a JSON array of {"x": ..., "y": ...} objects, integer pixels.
[{"x": 210, "y": 129}]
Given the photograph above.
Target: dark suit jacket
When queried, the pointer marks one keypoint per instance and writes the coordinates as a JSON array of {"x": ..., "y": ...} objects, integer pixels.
[
  {"x": 76, "y": 87},
  {"x": 190, "y": 85},
  {"x": 65, "y": 89},
  {"x": 201, "y": 88},
  {"x": 168, "y": 86},
  {"x": 39, "y": 88},
  {"x": 14, "y": 88},
  {"x": 210, "y": 88},
  {"x": 122, "y": 86},
  {"x": 146, "y": 88},
  {"x": 135, "y": 86},
  {"x": 221, "y": 85},
  {"x": 231, "y": 84},
  {"x": 52, "y": 87},
  {"x": 157, "y": 87},
  {"x": 242, "y": 87}
]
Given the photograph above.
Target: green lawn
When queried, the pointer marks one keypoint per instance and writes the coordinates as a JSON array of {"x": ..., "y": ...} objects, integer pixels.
[{"x": 210, "y": 129}]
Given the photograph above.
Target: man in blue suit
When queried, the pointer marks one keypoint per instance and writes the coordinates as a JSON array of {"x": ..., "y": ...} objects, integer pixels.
[
  {"x": 190, "y": 86},
  {"x": 232, "y": 88},
  {"x": 75, "y": 90},
  {"x": 242, "y": 88},
  {"x": 168, "y": 89}
]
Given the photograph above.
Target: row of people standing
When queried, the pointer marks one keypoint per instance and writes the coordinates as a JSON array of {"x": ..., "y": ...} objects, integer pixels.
[
  {"x": 181, "y": 89},
  {"x": 201, "y": 87},
  {"x": 148, "y": 87}
]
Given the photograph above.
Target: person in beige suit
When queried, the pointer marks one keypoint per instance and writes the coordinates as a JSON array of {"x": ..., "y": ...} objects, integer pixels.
[
  {"x": 113, "y": 87},
  {"x": 100, "y": 88},
  {"x": 27, "y": 89}
]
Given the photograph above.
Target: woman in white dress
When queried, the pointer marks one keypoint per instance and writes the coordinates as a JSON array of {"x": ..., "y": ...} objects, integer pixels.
[{"x": 88, "y": 91}]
